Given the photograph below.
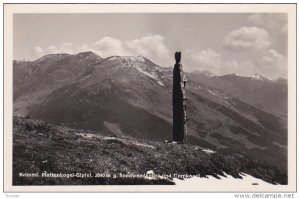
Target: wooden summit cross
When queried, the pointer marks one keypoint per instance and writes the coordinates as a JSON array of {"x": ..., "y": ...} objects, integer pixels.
[{"x": 179, "y": 102}]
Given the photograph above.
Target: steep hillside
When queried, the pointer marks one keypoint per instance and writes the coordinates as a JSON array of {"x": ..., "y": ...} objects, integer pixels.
[
  {"x": 42, "y": 149},
  {"x": 268, "y": 95},
  {"x": 33, "y": 81},
  {"x": 103, "y": 106}
]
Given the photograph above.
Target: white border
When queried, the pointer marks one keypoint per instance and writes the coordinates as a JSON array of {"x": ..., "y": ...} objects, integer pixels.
[{"x": 157, "y": 8}]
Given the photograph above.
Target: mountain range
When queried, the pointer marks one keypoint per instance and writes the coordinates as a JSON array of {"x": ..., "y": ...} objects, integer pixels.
[{"x": 132, "y": 96}]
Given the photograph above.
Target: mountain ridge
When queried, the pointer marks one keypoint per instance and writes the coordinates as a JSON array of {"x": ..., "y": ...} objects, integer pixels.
[{"x": 101, "y": 91}]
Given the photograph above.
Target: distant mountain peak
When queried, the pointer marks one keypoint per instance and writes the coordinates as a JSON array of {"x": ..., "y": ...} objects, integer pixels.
[
  {"x": 87, "y": 54},
  {"x": 138, "y": 64},
  {"x": 204, "y": 72},
  {"x": 253, "y": 76},
  {"x": 128, "y": 58},
  {"x": 126, "y": 61},
  {"x": 51, "y": 57},
  {"x": 59, "y": 55},
  {"x": 258, "y": 77},
  {"x": 20, "y": 61},
  {"x": 135, "y": 58},
  {"x": 235, "y": 75}
]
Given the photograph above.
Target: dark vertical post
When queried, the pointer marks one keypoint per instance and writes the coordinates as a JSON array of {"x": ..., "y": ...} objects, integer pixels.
[{"x": 179, "y": 101}]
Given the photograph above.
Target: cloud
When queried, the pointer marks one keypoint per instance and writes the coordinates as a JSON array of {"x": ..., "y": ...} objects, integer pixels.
[
  {"x": 247, "y": 50},
  {"x": 273, "y": 63},
  {"x": 109, "y": 46},
  {"x": 275, "y": 23},
  {"x": 249, "y": 67},
  {"x": 204, "y": 60},
  {"x": 268, "y": 63},
  {"x": 66, "y": 47},
  {"x": 51, "y": 50},
  {"x": 229, "y": 66},
  {"x": 213, "y": 61},
  {"x": 37, "y": 52},
  {"x": 151, "y": 46},
  {"x": 247, "y": 38},
  {"x": 260, "y": 48},
  {"x": 271, "y": 57},
  {"x": 83, "y": 48},
  {"x": 277, "y": 26}
]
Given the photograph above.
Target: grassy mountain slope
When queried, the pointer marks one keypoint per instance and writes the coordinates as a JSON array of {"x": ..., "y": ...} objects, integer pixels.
[
  {"x": 39, "y": 147},
  {"x": 33, "y": 81},
  {"x": 267, "y": 95}
]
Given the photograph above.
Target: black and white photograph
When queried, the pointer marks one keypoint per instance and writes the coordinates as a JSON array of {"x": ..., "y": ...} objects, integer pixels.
[{"x": 174, "y": 99}]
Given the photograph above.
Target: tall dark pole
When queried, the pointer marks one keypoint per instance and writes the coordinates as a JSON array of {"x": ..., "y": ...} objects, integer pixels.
[{"x": 179, "y": 102}]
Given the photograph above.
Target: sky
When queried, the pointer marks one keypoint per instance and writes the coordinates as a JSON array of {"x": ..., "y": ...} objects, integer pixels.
[{"x": 222, "y": 43}]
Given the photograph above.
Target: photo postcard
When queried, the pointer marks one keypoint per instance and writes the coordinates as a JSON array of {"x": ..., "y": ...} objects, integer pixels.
[{"x": 150, "y": 97}]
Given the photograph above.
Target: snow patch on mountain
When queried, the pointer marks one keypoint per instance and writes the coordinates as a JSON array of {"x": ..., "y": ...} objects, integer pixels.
[
  {"x": 208, "y": 151},
  {"x": 215, "y": 93},
  {"x": 257, "y": 77},
  {"x": 213, "y": 182},
  {"x": 227, "y": 181},
  {"x": 212, "y": 92},
  {"x": 152, "y": 76},
  {"x": 123, "y": 140},
  {"x": 198, "y": 87},
  {"x": 253, "y": 77},
  {"x": 138, "y": 62}
]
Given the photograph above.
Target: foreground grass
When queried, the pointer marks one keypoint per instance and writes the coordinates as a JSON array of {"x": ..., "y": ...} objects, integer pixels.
[{"x": 40, "y": 147}]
